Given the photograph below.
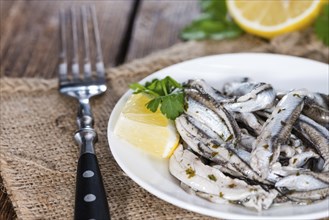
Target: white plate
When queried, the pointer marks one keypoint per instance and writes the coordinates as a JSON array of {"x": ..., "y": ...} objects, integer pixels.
[{"x": 283, "y": 72}]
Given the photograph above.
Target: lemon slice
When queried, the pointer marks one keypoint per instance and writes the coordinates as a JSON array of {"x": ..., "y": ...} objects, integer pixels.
[
  {"x": 152, "y": 132},
  {"x": 272, "y": 18}
]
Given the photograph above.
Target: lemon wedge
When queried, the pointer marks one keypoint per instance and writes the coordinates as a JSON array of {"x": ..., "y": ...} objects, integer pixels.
[
  {"x": 152, "y": 132},
  {"x": 275, "y": 17}
]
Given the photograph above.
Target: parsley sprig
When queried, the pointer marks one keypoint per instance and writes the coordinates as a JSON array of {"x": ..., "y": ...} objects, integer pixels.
[
  {"x": 213, "y": 23},
  {"x": 167, "y": 94},
  {"x": 321, "y": 25}
]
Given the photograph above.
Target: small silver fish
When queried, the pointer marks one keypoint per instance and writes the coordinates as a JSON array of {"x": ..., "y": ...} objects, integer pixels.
[
  {"x": 238, "y": 88},
  {"x": 246, "y": 141},
  {"x": 318, "y": 135},
  {"x": 323, "y": 176},
  {"x": 188, "y": 168},
  {"x": 316, "y": 112},
  {"x": 249, "y": 120},
  {"x": 300, "y": 159},
  {"x": 219, "y": 152},
  {"x": 211, "y": 105},
  {"x": 275, "y": 132},
  {"x": 320, "y": 99},
  {"x": 260, "y": 97},
  {"x": 278, "y": 172},
  {"x": 302, "y": 182},
  {"x": 287, "y": 151},
  {"x": 204, "y": 88},
  {"x": 306, "y": 196},
  {"x": 207, "y": 117}
]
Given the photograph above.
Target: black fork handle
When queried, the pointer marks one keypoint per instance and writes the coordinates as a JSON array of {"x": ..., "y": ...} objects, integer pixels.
[{"x": 90, "y": 200}]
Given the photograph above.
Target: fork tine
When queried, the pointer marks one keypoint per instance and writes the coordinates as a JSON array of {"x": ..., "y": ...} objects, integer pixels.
[
  {"x": 87, "y": 64},
  {"x": 99, "y": 57},
  {"x": 75, "y": 53},
  {"x": 62, "y": 69}
]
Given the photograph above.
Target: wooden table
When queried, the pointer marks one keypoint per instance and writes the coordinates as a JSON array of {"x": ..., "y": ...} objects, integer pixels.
[{"x": 129, "y": 30}]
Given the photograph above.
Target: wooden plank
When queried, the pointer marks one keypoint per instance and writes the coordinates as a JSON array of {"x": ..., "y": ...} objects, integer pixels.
[
  {"x": 158, "y": 25},
  {"x": 30, "y": 34},
  {"x": 5, "y": 6}
]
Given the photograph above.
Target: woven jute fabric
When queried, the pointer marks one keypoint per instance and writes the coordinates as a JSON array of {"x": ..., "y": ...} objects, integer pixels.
[{"x": 38, "y": 153}]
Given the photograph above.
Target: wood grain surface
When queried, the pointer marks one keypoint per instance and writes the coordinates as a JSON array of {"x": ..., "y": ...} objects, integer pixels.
[
  {"x": 158, "y": 24},
  {"x": 129, "y": 29}
]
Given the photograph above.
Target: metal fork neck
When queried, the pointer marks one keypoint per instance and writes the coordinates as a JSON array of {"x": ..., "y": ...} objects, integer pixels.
[
  {"x": 85, "y": 117},
  {"x": 86, "y": 135}
]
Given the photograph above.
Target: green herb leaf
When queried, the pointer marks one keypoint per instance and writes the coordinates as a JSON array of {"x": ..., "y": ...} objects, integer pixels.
[
  {"x": 322, "y": 25},
  {"x": 153, "y": 105},
  {"x": 154, "y": 86},
  {"x": 137, "y": 87},
  {"x": 214, "y": 23},
  {"x": 172, "y": 105},
  {"x": 167, "y": 95},
  {"x": 214, "y": 8}
]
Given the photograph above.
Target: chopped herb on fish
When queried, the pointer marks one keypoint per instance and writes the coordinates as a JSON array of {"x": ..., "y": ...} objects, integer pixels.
[
  {"x": 190, "y": 172},
  {"x": 232, "y": 185},
  {"x": 212, "y": 177}
]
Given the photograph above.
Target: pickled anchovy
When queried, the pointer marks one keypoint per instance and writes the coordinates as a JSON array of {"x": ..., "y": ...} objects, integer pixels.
[
  {"x": 294, "y": 141},
  {"x": 199, "y": 129},
  {"x": 278, "y": 172},
  {"x": 316, "y": 112},
  {"x": 217, "y": 198},
  {"x": 302, "y": 136},
  {"x": 215, "y": 151},
  {"x": 249, "y": 120},
  {"x": 199, "y": 143},
  {"x": 264, "y": 114},
  {"x": 302, "y": 158},
  {"x": 318, "y": 135},
  {"x": 207, "y": 117},
  {"x": 321, "y": 99},
  {"x": 315, "y": 165},
  {"x": 239, "y": 87},
  {"x": 188, "y": 168},
  {"x": 204, "y": 88},
  {"x": 187, "y": 188},
  {"x": 250, "y": 202},
  {"x": 302, "y": 182},
  {"x": 260, "y": 97},
  {"x": 243, "y": 154},
  {"x": 324, "y": 176},
  {"x": 316, "y": 98},
  {"x": 288, "y": 151},
  {"x": 275, "y": 132},
  {"x": 292, "y": 146},
  {"x": 316, "y": 194},
  {"x": 281, "y": 93},
  {"x": 229, "y": 169},
  {"x": 212, "y": 105},
  {"x": 246, "y": 141}
]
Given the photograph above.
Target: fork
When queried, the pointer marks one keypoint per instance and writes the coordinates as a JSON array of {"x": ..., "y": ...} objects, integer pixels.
[{"x": 90, "y": 197}]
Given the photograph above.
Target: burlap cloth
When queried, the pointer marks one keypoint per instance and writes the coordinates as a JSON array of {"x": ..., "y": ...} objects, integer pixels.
[{"x": 39, "y": 155}]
